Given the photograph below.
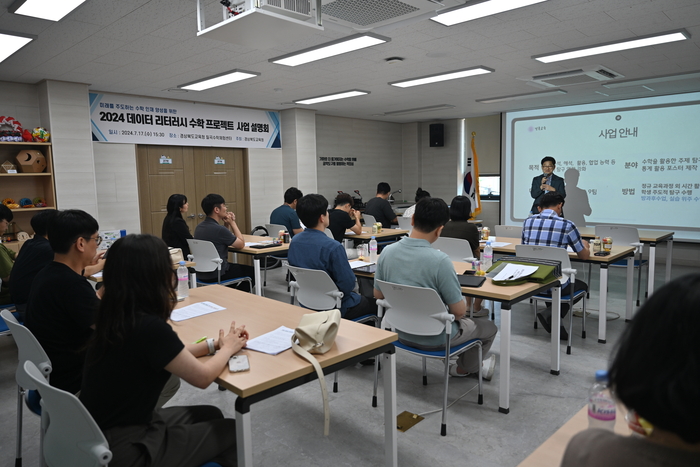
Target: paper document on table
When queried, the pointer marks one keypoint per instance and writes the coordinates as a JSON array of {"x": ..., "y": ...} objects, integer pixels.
[
  {"x": 273, "y": 342},
  {"x": 513, "y": 272},
  {"x": 569, "y": 249},
  {"x": 194, "y": 310},
  {"x": 499, "y": 244},
  {"x": 97, "y": 274},
  {"x": 349, "y": 232},
  {"x": 258, "y": 243},
  {"x": 359, "y": 264}
]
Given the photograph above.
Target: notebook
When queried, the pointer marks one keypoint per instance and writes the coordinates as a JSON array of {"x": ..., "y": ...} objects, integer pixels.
[{"x": 470, "y": 281}]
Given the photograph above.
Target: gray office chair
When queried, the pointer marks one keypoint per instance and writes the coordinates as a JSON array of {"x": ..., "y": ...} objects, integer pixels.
[
  {"x": 405, "y": 223},
  {"x": 420, "y": 311},
  {"x": 369, "y": 220},
  {"x": 207, "y": 259},
  {"x": 273, "y": 230},
  {"x": 315, "y": 290},
  {"x": 457, "y": 249},
  {"x": 510, "y": 231},
  {"x": 627, "y": 236}
]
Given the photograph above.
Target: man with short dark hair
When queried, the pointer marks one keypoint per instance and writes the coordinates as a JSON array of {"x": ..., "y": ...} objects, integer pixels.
[
  {"x": 412, "y": 261},
  {"x": 313, "y": 249},
  {"x": 343, "y": 217},
  {"x": 380, "y": 208},
  {"x": 62, "y": 303},
  {"x": 548, "y": 228},
  {"x": 286, "y": 214},
  {"x": 546, "y": 183},
  {"x": 223, "y": 237},
  {"x": 7, "y": 256}
]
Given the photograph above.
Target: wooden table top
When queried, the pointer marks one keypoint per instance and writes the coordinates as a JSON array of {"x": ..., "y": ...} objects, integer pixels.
[
  {"x": 98, "y": 278},
  {"x": 618, "y": 251},
  {"x": 367, "y": 233},
  {"x": 645, "y": 236},
  {"x": 490, "y": 291},
  {"x": 255, "y": 251},
  {"x": 551, "y": 452},
  {"x": 261, "y": 315}
]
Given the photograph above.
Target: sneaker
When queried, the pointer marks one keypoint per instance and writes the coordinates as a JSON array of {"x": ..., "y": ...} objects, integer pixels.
[
  {"x": 454, "y": 373},
  {"x": 481, "y": 313},
  {"x": 488, "y": 367}
]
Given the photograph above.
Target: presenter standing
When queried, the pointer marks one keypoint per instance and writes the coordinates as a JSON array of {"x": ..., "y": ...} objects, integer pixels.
[{"x": 547, "y": 182}]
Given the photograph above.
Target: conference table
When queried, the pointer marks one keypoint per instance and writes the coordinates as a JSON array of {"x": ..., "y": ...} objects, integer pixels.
[
  {"x": 507, "y": 297},
  {"x": 651, "y": 237},
  {"x": 551, "y": 452},
  {"x": 270, "y": 375},
  {"x": 617, "y": 253},
  {"x": 259, "y": 254},
  {"x": 383, "y": 236}
]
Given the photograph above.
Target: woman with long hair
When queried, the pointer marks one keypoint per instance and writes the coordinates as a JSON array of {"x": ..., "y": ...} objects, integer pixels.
[
  {"x": 175, "y": 231},
  {"x": 655, "y": 372},
  {"x": 132, "y": 354}
]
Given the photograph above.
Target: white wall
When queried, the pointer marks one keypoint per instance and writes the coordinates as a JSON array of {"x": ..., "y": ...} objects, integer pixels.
[
  {"x": 117, "y": 186},
  {"x": 265, "y": 170}
]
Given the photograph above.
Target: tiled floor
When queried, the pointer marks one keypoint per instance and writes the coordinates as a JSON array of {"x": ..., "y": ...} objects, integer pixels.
[{"x": 288, "y": 429}]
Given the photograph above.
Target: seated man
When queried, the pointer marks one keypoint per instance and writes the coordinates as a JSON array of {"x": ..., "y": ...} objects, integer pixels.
[
  {"x": 7, "y": 257},
  {"x": 62, "y": 303},
  {"x": 343, "y": 217},
  {"x": 223, "y": 237},
  {"x": 313, "y": 249},
  {"x": 548, "y": 228},
  {"x": 412, "y": 261},
  {"x": 286, "y": 214},
  {"x": 380, "y": 208}
]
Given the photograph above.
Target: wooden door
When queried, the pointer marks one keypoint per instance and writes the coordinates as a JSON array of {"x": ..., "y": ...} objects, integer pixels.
[{"x": 194, "y": 173}]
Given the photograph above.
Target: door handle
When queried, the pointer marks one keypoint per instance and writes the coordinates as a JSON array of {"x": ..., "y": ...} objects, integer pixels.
[
  {"x": 201, "y": 216},
  {"x": 191, "y": 216}
]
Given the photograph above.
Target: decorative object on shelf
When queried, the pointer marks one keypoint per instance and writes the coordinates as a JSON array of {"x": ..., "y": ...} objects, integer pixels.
[
  {"x": 27, "y": 136},
  {"x": 13, "y": 134},
  {"x": 40, "y": 135},
  {"x": 39, "y": 202},
  {"x": 8, "y": 167},
  {"x": 31, "y": 161},
  {"x": 23, "y": 236},
  {"x": 26, "y": 203},
  {"x": 10, "y": 203}
]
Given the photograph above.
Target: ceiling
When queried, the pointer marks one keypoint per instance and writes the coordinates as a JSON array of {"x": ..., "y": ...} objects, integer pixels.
[{"x": 146, "y": 47}]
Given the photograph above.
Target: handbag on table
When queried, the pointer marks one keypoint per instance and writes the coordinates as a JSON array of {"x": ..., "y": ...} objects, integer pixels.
[
  {"x": 176, "y": 255},
  {"x": 315, "y": 335}
]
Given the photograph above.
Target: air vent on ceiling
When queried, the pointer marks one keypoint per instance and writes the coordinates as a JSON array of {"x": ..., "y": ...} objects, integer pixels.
[
  {"x": 590, "y": 74},
  {"x": 370, "y": 14},
  {"x": 299, "y": 9}
]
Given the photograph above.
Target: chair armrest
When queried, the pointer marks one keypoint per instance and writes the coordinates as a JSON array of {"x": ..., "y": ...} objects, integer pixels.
[
  {"x": 469, "y": 259},
  {"x": 335, "y": 294},
  {"x": 45, "y": 368},
  {"x": 190, "y": 258}
]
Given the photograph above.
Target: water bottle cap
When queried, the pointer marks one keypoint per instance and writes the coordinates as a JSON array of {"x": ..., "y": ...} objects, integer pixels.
[
  {"x": 182, "y": 263},
  {"x": 488, "y": 242},
  {"x": 372, "y": 237},
  {"x": 601, "y": 375}
]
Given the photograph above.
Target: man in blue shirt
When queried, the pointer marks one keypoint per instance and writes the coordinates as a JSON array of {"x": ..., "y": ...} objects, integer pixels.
[
  {"x": 413, "y": 261},
  {"x": 313, "y": 249},
  {"x": 286, "y": 214},
  {"x": 548, "y": 228}
]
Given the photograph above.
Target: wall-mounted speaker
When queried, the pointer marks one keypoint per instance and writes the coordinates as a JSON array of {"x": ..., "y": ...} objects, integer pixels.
[{"x": 437, "y": 135}]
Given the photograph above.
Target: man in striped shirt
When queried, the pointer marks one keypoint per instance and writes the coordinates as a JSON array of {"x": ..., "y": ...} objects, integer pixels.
[{"x": 548, "y": 228}]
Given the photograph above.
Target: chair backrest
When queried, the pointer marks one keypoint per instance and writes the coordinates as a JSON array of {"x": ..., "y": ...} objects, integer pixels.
[
  {"x": 405, "y": 223},
  {"x": 621, "y": 234},
  {"x": 260, "y": 231},
  {"x": 315, "y": 289},
  {"x": 329, "y": 234},
  {"x": 29, "y": 350},
  {"x": 273, "y": 230},
  {"x": 546, "y": 252},
  {"x": 369, "y": 220},
  {"x": 510, "y": 231},
  {"x": 456, "y": 248},
  {"x": 412, "y": 309},
  {"x": 205, "y": 255},
  {"x": 72, "y": 436}
]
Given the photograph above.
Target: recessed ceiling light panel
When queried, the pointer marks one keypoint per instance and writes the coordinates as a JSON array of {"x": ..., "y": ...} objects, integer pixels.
[
  {"x": 474, "y": 71},
  {"x": 52, "y": 10},
  {"x": 11, "y": 42},
  {"x": 219, "y": 80},
  {"x": 476, "y": 10},
  {"x": 518, "y": 97},
  {"x": 330, "y": 49},
  {"x": 332, "y": 97}
]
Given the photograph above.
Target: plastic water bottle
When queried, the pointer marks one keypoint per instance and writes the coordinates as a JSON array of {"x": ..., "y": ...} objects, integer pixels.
[
  {"x": 373, "y": 250},
  {"x": 487, "y": 257},
  {"x": 183, "y": 287},
  {"x": 601, "y": 406}
]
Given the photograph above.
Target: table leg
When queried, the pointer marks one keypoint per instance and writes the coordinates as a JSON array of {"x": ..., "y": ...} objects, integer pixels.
[
  {"x": 669, "y": 258},
  {"x": 258, "y": 280},
  {"x": 504, "y": 389},
  {"x": 556, "y": 329},
  {"x": 651, "y": 270},
  {"x": 603, "y": 303},
  {"x": 390, "y": 437},
  {"x": 630, "y": 288},
  {"x": 244, "y": 439}
]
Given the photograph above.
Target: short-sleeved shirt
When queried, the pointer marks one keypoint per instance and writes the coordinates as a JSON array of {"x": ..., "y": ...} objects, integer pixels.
[
  {"x": 175, "y": 233},
  {"x": 338, "y": 222},
  {"x": 313, "y": 249},
  {"x": 7, "y": 259},
  {"x": 381, "y": 210},
  {"x": 35, "y": 254},
  {"x": 548, "y": 229},
  {"x": 286, "y": 216},
  {"x": 464, "y": 230},
  {"x": 60, "y": 312},
  {"x": 221, "y": 237},
  {"x": 112, "y": 398},
  {"x": 413, "y": 261}
]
